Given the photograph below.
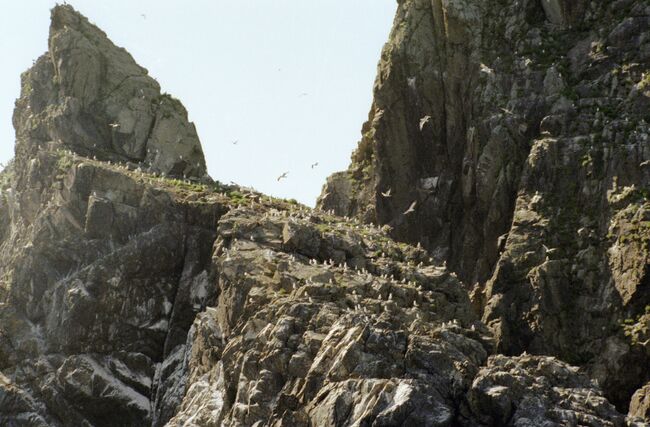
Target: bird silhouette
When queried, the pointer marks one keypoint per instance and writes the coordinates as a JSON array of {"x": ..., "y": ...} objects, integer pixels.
[
  {"x": 314, "y": 165},
  {"x": 143, "y": 16},
  {"x": 235, "y": 142},
  {"x": 284, "y": 175},
  {"x": 387, "y": 193},
  {"x": 411, "y": 208}
]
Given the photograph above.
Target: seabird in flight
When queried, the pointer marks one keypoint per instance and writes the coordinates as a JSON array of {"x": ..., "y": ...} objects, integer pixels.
[
  {"x": 284, "y": 175},
  {"x": 411, "y": 208}
]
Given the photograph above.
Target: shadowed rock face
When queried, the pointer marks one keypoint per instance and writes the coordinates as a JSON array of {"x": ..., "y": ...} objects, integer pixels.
[
  {"x": 521, "y": 131},
  {"x": 130, "y": 298}
]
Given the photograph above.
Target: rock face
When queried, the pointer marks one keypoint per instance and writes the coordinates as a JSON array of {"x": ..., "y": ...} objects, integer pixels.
[
  {"x": 88, "y": 95},
  {"x": 536, "y": 391},
  {"x": 131, "y": 298},
  {"x": 521, "y": 132},
  {"x": 103, "y": 271}
]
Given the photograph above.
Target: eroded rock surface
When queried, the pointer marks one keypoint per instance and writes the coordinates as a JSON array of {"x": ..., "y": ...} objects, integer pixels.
[
  {"x": 128, "y": 297},
  {"x": 521, "y": 132},
  {"x": 90, "y": 96},
  {"x": 537, "y": 391},
  {"x": 103, "y": 271}
]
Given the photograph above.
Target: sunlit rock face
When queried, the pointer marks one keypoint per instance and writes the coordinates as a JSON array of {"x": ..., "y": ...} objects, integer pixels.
[
  {"x": 135, "y": 291},
  {"x": 521, "y": 132},
  {"x": 90, "y": 96}
]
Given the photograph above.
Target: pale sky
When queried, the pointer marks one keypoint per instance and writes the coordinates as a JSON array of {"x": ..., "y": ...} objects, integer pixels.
[{"x": 291, "y": 80}]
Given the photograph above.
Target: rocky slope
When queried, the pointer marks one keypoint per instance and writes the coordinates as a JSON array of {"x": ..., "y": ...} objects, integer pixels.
[
  {"x": 136, "y": 291},
  {"x": 520, "y": 129}
]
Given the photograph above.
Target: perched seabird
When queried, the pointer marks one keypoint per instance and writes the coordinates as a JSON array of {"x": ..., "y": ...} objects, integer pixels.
[
  {"x": 423, "y": 121},
  {"x": 410, "y": 81}
]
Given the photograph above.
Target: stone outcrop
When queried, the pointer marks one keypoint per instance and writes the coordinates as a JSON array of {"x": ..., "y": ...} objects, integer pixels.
[
  {"x": 537, "y": 391},
  {"x": 134, "y": 290},
  {"x": 640, "y": 404},
  {"x": 521, "y": 132},
  {"x": 103, "y": 271},
  {"x": 90, "y": 96}
]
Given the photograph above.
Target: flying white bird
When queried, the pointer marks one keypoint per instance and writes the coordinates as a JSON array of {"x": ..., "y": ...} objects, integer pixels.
[
  {"x": 411, "y": 208},
  {"x": 423, "y": 121},
  {"x": 387, "y": 193},
  {"x": 284, "y": 175},
  {"x": 114, "y": 125}
]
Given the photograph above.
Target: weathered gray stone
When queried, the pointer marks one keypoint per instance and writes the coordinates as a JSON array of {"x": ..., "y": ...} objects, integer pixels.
[
  {"x": 128, "y": 298},
  {"x": 536, "y": 128},
  {"x": 537, "y": 391},
  {"x": 89, "y": 95}
]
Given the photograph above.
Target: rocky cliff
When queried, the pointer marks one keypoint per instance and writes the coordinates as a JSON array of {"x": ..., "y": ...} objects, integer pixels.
[
  {"x": 134, "y": 290},
  {"x": 520, "y": 131}
]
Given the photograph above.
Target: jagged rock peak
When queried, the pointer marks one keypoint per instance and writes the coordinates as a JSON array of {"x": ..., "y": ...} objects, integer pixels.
[{"x": 90, "y": 96}]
